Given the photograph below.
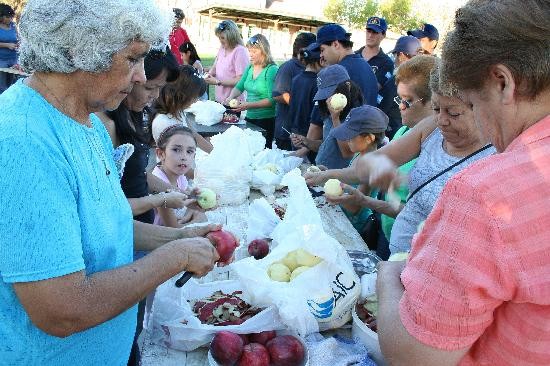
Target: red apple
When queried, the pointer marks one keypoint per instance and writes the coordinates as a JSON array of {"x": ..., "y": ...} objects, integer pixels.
[
  {"x": 225, "y": 243},
  {"x": 286, "y": 350},
  {"x": 226, "y": 348},
  {"x": 262, "y": 337},
  {"x": 254, "y": 354},
  {"x": 258, "y": 248},
  {"x": 245, "y": 339}
]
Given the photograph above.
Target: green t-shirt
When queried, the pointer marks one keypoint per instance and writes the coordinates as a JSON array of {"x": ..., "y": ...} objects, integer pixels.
[
  {"x": 259, "y": 88},
  {"x": 402, "y": 192}
]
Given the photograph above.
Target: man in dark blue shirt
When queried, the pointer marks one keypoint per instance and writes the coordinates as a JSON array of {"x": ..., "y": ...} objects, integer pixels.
[
  {"x": 281, "y": 88},
  {"x": 336, "y": 48},
  {"x": 428, "y": 35},
  {"x": 381, "y": 64}
]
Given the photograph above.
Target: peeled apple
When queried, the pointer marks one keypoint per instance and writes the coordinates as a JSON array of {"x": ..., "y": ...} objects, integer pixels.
[
  {"x": 304, "y": 258},
  {"x": 338, "y": 101},
  {"x": 332, "y": 187},
  {"x": 272, "y": 168},
  {"x": 398, "y": 257},
  {"x": 279, "y": 272},
  {"x": 298, "y": 271},
  {"x": 233, "y": 103},
  {"x": 313, "y": 169},
  {"x": 207, "y": 198},
  {"x": 290, "y": 260}
]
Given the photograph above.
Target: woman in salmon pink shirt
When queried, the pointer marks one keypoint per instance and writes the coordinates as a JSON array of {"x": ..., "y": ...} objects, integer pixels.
[
  {"x": 231, "y": 60},
  {"x": 476, "y": 287}
]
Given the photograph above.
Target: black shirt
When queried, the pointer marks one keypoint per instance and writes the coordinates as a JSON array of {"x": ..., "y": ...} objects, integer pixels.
[
  {"x": 287, "y": 71},
  {"x": 304, "y": 87},
  {"x": 381, "y": 64},
  {"x": 388, "y": 106}
]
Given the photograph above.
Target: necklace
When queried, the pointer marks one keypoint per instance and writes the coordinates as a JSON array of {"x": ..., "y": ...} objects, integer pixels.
[{"x": 91, "y": 141}]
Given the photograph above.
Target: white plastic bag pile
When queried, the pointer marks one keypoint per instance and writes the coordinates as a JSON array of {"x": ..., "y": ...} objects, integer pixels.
[
  {"x": 320, "y": 298},
  {"x": 227, "y": 169},
  {"x": 269, "y": 167},
  {"x": 175, "y": 325},
  {"x": 207, "y": 112}
]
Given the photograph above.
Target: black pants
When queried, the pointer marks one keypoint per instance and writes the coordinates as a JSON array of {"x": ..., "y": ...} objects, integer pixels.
[{"x": 268, "y": 124}]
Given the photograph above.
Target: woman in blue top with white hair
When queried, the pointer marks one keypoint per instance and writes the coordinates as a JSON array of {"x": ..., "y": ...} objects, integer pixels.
[{"x": 68, "y": 285}]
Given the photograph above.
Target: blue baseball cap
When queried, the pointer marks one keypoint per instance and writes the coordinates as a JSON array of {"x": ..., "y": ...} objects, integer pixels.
[
  {"x": 328, "y": 79},
  {"x": 427, "y": 30},
  {"x": 408, "y": 45},
  {"x": 364, "y": 119},
  {"x": 377, "y": 24},
  {"x": 311, "y": 52},
  {"x": 331, "y": 32}
]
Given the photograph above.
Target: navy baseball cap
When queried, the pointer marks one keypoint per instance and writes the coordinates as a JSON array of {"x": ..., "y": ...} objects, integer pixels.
[
  {"x": 407, "y": 44},
  {"x": 311, "y": 52},
  {"x": 328, "y": 79},
  {"x": 427, "y": 30},
  {"x": 331, "y": 32},
  {"x": 377, "y": 24},
  {"x": 364, "y": 119}
]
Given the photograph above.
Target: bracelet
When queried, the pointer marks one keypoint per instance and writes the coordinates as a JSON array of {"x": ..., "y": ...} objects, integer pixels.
[{"x": 164, "y": 197}]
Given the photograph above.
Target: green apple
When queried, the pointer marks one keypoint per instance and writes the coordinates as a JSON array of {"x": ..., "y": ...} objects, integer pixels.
[
  {"x": 233, "y": 103},
  {"x": 313, "y": 169},
  {"x": 207, "y": 198},
  {"x": 332, "y": 187},
  {"x": 273, "y": 168},
  {"x": 278, "y": 272}
]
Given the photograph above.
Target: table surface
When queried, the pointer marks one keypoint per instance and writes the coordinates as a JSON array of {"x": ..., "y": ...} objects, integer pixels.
[
  {"x": 335, "y": 223},
  {"x": 11, "y": 70}
]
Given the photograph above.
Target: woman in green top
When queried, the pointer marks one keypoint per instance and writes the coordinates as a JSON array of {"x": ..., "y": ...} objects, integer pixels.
[{"x": 257, "y": 81}]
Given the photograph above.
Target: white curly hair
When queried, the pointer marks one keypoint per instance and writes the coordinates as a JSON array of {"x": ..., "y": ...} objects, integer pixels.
[{"x": 71, "y": 35}]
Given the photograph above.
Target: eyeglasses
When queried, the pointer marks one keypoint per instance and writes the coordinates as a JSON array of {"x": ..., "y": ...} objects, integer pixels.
[
  {"x": 406, "y": 103},
  {"x": 222, "y": 25}
]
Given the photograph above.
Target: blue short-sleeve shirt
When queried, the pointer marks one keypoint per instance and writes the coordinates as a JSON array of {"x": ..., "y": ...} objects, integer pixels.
[
  {"x": 304, "y": 87},
  {"x": 283, "y": 83},
  {"x": 64, "y": 212},
  {"x": 361, "y": 73}
]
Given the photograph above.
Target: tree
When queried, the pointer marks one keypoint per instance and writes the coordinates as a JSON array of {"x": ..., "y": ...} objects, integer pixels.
[
  {"x": 17, "y": 6},
  {"x": 353, "y": 13},
  {"x": 398, "y": 15}
]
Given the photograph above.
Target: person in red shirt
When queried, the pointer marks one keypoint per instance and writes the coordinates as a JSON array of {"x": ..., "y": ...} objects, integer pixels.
[{"x": 178, "y": 36}]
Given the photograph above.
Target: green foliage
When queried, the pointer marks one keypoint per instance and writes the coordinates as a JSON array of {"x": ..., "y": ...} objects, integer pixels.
[
  {"x": 353, "y": 13},
  {"x": 398, "y": 15}
]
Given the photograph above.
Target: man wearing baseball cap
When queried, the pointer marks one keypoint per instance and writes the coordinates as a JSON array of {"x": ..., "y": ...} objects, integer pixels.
[
  {"x": 336, "y": 48},
  {"x": 428, "y": 36},
  {"x": 381, "y": 64},
  {"x": 405, "y": 48}
]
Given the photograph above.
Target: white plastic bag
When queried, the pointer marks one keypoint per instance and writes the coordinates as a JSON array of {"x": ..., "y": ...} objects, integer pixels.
[
  {"x": 226, "y": 170},
  {"x": 175, "y": 325},
  {"x": 320, "y": 298},
  {"x": 269, "y": 167},
  {"x": 207, "y": 112},
  {"x": 262, "y": 220}
]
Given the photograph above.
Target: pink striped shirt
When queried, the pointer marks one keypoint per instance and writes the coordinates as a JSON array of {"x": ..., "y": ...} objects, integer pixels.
[{"x": 479, "y": 272}]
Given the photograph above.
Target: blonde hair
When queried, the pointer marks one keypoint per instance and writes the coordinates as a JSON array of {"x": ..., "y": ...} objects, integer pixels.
[
  {"x": 260, "y": 42},
  {"x": 231, "y": 32}
]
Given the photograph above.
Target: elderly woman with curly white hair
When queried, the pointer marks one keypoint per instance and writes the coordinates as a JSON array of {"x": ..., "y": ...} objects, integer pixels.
[{"x": 68, "y": 287}]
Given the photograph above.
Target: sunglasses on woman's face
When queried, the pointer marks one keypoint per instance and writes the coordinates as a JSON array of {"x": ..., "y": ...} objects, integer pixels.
[
  {"x": 399, "y": 101},
  {"x": 222, "y": 26},
  {"x": 255, "y": 40}
]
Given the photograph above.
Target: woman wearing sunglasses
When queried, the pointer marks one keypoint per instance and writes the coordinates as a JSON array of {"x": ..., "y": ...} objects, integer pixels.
[
  {"x": 257, "y": 81},
  {"x": 442, "y": 139},
  {"x": 231, "y": 60}
]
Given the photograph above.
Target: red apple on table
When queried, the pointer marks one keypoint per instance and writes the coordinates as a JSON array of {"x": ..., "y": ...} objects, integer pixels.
[
  {"x": 226, "y": 348},
  {"x": 254, "y": 354},
  {"x": 258, "y": 248},
  {"x": 285, "y": 350},
  {"x": 262, "y": 337},
  {"x": 225, "y": 244}
]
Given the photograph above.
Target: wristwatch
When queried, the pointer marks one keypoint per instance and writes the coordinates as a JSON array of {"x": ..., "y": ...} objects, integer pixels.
[{"x": 219, "y": 83}]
